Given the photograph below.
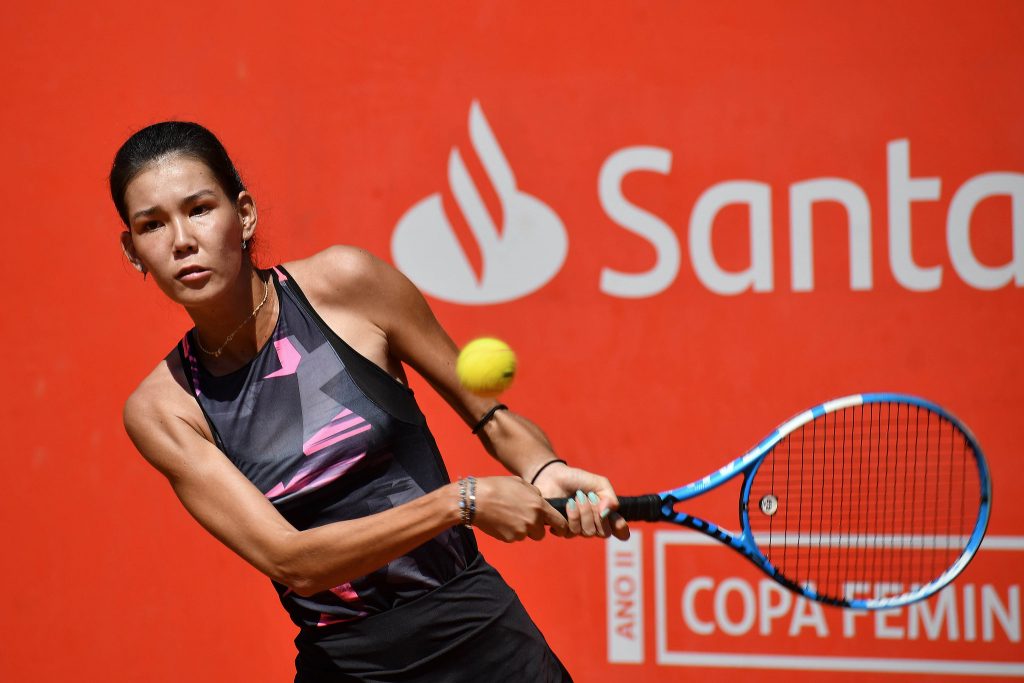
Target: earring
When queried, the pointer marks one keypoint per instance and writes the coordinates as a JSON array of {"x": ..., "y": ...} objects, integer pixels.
[{"x": 245, "y": 244}]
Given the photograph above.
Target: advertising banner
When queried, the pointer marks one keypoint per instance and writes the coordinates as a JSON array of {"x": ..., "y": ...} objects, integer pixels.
[{"x": 691, "y": 221}]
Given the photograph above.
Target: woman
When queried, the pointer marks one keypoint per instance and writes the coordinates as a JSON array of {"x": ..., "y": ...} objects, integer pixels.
[{"x": 284, "y": 424}]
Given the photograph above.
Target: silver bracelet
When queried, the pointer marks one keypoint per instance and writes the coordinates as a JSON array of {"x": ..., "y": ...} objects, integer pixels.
[{"x": 467, "y": 501}]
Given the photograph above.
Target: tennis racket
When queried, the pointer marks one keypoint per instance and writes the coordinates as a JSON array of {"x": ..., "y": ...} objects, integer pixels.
[{"x": 870, "y": 501}]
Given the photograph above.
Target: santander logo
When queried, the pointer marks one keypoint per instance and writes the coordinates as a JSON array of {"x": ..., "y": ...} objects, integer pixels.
[
  {"x": 520, "y": 254},
  {"x": 525, "y": 245}
]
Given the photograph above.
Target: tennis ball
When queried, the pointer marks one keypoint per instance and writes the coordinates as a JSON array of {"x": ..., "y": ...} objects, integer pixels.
[{"x": 486, "y": 366}]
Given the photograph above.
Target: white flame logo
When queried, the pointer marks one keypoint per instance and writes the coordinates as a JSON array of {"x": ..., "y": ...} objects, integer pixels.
[{"x": 519, "y": 258}]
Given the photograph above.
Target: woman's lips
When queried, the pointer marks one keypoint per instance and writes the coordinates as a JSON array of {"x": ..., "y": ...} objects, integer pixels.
[{"x": 193, "y": 275}]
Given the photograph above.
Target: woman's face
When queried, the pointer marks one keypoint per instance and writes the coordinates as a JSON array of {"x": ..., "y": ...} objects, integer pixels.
[{"x": 184, "y": 230}]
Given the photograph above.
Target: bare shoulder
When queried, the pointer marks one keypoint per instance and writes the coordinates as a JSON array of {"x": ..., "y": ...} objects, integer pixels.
[
  {"x": 352, "y": 279},
  {"x": 162, "y": 404},
  {"x": 341, "y": 270},
  {"x": 157, "y": 391}
]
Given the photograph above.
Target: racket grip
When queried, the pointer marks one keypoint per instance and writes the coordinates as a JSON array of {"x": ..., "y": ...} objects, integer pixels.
[{"x": 632, "y": 508}]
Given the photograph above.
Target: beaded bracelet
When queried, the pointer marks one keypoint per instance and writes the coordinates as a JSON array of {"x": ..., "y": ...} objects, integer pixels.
[{"x": 467, "y": 500}]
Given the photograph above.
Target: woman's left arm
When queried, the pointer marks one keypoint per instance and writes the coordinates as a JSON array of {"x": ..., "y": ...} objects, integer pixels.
[
  {"x": 510, "y": 437},
  {"x": 414, "y": 336}
]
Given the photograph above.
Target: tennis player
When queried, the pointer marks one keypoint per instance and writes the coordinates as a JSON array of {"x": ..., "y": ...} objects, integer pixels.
[{"x": 284, "y": 423}]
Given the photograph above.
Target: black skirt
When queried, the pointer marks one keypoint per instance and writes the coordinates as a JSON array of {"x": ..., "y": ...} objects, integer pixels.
[{"x": 471, "y": 629}]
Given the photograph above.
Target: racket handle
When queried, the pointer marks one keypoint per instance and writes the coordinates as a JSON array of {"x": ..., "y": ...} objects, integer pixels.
[{"x": 632, "y": 508}]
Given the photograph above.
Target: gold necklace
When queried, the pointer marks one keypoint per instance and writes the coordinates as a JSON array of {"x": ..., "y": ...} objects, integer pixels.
[{"x": 216, "y": 354}]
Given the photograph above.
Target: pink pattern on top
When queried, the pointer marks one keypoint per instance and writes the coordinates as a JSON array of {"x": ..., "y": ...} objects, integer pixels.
[
  {"x": 329, "y": 619},
  {"x": 289, "y": 357},
  {"x": 193, "y": 363},
  {"x": 314, "y": 477},
  {"x": 324, "y": 469},
  {"x": 280, "y": 275},
  {"x": 348, "y": 594},
  {"x": 335, "y": 432}
]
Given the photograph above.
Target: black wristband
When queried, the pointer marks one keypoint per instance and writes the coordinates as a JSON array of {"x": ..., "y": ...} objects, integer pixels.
[
  {"x": 544, "y": 467},
  {"x": 487, "y": 418}
]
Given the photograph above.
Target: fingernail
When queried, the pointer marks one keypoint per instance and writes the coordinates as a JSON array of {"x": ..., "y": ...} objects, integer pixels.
[
  {"x": 593, "y": 498},
  {"x": 580, "y": 497},
  {"x": 605, "y": 512},
  {"x": 570, "y": 504}
]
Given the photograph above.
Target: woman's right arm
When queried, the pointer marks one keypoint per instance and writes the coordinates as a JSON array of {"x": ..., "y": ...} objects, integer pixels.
[{"x": 166, "y": 426}]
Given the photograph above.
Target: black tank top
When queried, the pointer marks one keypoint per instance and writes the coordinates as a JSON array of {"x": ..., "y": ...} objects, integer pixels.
[{"x": 327, "y": 435}]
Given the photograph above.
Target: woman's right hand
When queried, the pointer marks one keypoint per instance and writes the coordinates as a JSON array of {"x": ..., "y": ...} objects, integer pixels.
[{"x": 509, "y": 509}]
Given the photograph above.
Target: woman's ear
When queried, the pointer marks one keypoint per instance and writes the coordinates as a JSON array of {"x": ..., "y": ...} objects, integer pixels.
[
  {"x": 247, "y": 215},
  {"x": 129, "y": 252}
]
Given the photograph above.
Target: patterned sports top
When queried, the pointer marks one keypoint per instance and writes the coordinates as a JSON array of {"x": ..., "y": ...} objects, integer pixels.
[{"x": 327, "y": 435}]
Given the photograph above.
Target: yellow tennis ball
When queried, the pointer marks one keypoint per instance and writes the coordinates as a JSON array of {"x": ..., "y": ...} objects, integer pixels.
[{"x": 486, "y": 366}]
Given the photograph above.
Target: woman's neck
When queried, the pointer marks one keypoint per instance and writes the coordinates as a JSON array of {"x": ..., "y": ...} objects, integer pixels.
[{"x": 229, "y": 333}]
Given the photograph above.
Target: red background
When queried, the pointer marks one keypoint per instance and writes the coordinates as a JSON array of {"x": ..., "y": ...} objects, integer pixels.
[{"x": 341, "y": 116}]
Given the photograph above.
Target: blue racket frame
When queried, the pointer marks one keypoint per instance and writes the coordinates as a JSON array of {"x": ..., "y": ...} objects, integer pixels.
[{"x": 748, "y": 464}]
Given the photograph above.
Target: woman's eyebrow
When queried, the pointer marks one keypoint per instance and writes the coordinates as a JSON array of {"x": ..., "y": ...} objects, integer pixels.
[
  {"x": 144, "y": 212},
  {"x": 196, "y": 195},
  {"x": 187, "y": 200}
]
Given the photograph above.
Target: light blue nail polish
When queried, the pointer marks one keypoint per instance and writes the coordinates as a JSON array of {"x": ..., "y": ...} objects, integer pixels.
[
  {"x": 605, "y": 513},
  {"x": 580, "y": 497},
  {"x": 570, "y": 504},
  {"x": 593, "y": 498}
]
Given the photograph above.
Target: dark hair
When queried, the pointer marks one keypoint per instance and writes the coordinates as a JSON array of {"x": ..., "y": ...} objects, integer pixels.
[{"x": 164, "y": 139}]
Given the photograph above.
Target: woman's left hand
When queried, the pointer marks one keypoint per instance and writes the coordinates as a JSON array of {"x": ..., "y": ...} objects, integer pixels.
[{"x": 591, "y": 509}]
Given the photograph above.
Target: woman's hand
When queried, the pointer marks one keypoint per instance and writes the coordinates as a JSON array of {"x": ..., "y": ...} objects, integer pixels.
[
  {"x": 592, "y": 504},
  {"x": 509, "y": 509}
]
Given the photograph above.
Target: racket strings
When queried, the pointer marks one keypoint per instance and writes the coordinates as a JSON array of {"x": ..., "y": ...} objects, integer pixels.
[{"x": 871, "y": 500}]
